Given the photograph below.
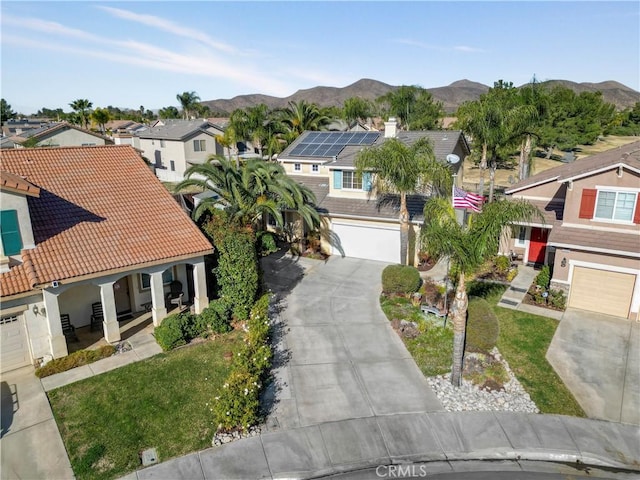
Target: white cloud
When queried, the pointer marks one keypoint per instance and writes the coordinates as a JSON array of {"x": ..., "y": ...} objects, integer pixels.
[
  {"x": 426, "y": 46},
  {"x": 171, "y": 27}
]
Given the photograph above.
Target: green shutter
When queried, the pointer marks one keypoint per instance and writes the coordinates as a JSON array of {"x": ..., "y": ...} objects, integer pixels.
[
  {"x": 11, "y": 240},
  {"x": 366, "y": 181},
  {"x": 337, "y": 179}
]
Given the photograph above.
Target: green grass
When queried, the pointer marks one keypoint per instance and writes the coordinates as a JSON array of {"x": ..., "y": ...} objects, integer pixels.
[
  {"x": 162, "y": 402},
  {"x": 523, "y": 341},
  {"x": 433, "y": 348}
]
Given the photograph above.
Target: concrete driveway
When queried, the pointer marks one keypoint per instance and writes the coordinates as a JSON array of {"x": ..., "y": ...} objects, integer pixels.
[
  {"x": 31, "y": 445},
  {"x": 337, "y": 356},
  {"x": 598, "y": 358}
]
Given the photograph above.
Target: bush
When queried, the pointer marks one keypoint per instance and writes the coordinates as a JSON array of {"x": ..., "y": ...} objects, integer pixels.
[
  {"x": 502, "y": 263},
  {"x": 403, "y": 279},
  {"x": 544, "y": 277},
  {"x": 558, "y": 299},
  {"x": 169, "y": 333},
  {"x": 482, "y": 326},
  {"x": 217, "y": 316},
  {"x": 238, "y": 404},
  {"x": 267, "y": 243},
  {"x": 76, "y": 359}
]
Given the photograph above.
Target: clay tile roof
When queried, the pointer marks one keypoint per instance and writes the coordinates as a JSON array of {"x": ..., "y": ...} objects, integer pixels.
[
  {"x": 100, "y": 210},
  {"x": 15, "y": 183}
]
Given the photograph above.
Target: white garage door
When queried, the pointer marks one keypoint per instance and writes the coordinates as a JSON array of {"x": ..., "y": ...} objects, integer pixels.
[
  {"x": 601, "y": 291},
  {"x": 371, "y": 243},
  {"x": 14, "y": 349}
]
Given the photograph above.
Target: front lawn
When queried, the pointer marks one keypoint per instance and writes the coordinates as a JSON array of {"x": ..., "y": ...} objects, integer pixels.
[
  {"x": 523, "y": 341},
  {"x": 163, "y": 402}
]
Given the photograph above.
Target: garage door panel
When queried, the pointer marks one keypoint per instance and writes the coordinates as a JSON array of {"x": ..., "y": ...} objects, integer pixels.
[
  {"x": 372, "y": 243},
  {"x": 601, "y": 291},
  {"x": 14, "y": 348}
]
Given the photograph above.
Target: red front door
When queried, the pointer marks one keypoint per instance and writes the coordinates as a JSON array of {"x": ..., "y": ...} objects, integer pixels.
[{"x": 538, "y": 244}]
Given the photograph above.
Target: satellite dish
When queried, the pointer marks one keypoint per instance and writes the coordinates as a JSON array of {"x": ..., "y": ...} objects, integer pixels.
[{"x": 452, "y": 159}]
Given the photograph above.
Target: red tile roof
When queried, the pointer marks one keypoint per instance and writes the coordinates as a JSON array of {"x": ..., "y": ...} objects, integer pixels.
[
  {"x": 15, "y": 183},
  {"x": 100, "y": 209}
]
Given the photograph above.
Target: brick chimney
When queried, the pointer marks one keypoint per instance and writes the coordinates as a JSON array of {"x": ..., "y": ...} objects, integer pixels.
[{"x": 390, "y": 128}]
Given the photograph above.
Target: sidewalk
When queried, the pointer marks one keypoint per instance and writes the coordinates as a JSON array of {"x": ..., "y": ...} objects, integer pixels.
[
  {"x": 31, "y": 446},
  {"x": 514, "y": 295},
  {"x": 448, "y": 442}
]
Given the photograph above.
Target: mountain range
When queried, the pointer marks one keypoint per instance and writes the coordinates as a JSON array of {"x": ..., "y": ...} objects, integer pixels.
[{"x": 451, "y": 96}]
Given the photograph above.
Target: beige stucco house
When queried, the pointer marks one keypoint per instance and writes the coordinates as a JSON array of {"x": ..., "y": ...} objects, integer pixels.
[
  {"x": 591, "y": 234},
  {"x": 172, "y": 146},
  {"x": 358, "y": 221},
  {"x": 61, "y": 134},
  {"x": 81, "y": 226}
]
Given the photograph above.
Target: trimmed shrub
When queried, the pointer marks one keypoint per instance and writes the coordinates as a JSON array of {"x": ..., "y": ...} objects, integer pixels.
[
  {"x": 217, "y": 316},
  {"x": 403, "y": 279},
  {"x": 169, "y": 334},
  {"x": 544, "y": 277},
  {"x": 482, "y": 326},
  {"x": 502, "y": 263},
  {"x": 76, "y": 359}
]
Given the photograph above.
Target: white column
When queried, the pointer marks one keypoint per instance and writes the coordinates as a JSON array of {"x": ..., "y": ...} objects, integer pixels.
[
  {"x": 57, "y": 341},
  {"x": 110, "y": 324},
  {"x": 200, "y": 299},
  {"x": 158, "y": 309}
]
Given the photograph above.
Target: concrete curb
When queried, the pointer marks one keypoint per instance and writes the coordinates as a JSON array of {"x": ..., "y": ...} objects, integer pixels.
[{"x": 365, "y": 443}]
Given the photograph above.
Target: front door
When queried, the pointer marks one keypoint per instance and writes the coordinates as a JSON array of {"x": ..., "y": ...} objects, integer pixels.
[
  {"x": 538, "y": 244},
  {"x": 121, "y": 295}
]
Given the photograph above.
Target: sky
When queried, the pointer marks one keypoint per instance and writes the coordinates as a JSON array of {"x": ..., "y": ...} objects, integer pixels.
[{"x": 128, "y": 54}]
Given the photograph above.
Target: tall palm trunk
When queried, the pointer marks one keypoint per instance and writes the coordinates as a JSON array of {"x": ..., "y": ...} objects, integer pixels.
[
  {"x": 404, "y": 228},
  {"x": 483, "y": 167},
  {"x": 525, "y": 153},
  {"x": 459, "y": 319},
  {"x": 492, "y": 179}
]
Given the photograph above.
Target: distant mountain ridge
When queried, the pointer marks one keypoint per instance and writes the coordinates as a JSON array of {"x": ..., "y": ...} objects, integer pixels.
[{"x": 451, "y": 96}]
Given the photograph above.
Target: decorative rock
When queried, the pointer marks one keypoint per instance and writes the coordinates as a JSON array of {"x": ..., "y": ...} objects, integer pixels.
[
  {"x": 221, "y": 438},
  {"x": 470, "y": 397}
]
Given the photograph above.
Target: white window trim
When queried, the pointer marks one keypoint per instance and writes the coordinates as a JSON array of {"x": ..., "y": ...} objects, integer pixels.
[
  {"x": 146, "y": 289},
  {"x": 352, "y": 189},
  {"x": 297, "y": 167},
  {"x": 615, "y": 190},
  {"x": 315, "y": 168}
]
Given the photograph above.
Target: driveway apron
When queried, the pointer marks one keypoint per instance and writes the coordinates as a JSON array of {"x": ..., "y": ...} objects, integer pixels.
[{"x": 337, "y": 356}]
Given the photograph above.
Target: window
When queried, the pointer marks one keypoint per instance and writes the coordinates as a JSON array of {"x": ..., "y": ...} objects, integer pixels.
[
  {"x": 315, "y": 168},
  {"x": 615, "y": 205},
  {"x": 522, "y": 235},
  {"x": 351, "y": 180},
  {"x": 172, "y": 165},
  {"x": 10, "y": 229},
  {"x": 199, "y": 146},
  {"x": 162, "y": 143},
  {"x": 84, "y": 145},
  {"x": 297, "y": 167},
  {"x": 145, "y": 279}
]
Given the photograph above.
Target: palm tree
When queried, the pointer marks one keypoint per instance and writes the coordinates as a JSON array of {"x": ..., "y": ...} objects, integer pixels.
[
  {"x": 250, "y": 192},
  {"x": 302, "y": 116},
  {"x": 468, "y": 247},
  {"x": 188, "y": 102},
  {"x": 82, "y": 107},
  {"x": 402, "y": 169}
]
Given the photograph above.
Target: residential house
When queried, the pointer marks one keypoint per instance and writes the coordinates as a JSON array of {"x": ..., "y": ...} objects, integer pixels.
[
  {"x": 83, "y": 226},
  {"x": 17, "y": 126},
  {"x": 62, "y": 134},
  {"x": 359, "y": 222},
  {"x": 172, "y": 146},
  {"x": 122, "y": 132},
  {"x": 590, "y": 236}
]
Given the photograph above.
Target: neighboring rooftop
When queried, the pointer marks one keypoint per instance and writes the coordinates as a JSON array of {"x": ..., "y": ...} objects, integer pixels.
[
  {"x": 177, "y": 129},
  {"x": 100, "y": 210},
  {"x": 628, "y": 155}
]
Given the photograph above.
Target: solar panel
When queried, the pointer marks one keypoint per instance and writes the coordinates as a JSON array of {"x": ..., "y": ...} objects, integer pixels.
[{"x": 330, "y": 144}]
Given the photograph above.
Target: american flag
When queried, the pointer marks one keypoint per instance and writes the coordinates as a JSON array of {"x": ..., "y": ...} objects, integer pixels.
[{"x": 464, "y": 199}]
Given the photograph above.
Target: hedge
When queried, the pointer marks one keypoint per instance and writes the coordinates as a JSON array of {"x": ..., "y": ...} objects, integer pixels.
[{"x": 403, "y": 279}]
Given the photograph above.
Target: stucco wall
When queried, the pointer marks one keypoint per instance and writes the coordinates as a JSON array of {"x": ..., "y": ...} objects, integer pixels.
[
  {"x": 70, "y": 138},
  {"x": 18, "y": 202}
]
